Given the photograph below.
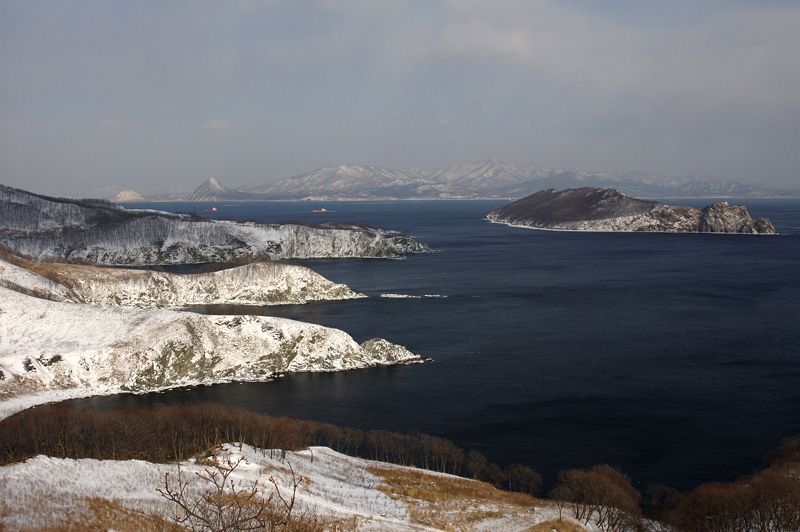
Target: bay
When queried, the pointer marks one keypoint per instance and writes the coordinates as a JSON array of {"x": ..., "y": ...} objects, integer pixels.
[{"x": 674, "y": 357}]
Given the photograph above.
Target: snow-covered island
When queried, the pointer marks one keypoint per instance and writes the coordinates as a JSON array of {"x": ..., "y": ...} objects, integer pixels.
[
  {"x": 594, "y": 209},
  {"x": 99, "y": 232}
]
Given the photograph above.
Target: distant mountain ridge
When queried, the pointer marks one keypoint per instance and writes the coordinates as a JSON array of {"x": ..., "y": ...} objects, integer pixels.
[{"x": 489, "y": 179}]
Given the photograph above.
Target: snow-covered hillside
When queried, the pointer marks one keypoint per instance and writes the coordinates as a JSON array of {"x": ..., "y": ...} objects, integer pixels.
[
  {"x": 261, "y": 283},
  {"x": 45, "y": 492},
  {"x": 99, "y": 232},
  {"x": 49, "y": 350}
]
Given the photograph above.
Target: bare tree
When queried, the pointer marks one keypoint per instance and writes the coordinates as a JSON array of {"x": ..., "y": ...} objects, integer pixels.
[
  {"x": 223, "y": 506},
  {"x": 602, "y": 494}
]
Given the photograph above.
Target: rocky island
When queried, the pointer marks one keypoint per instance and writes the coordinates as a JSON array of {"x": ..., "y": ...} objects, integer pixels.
[{"x": 595, "y": 209}]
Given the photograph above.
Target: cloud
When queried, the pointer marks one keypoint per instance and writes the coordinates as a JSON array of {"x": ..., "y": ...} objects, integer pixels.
[
  {"x": 445, "y": 120},
  {"x": 262, "y": 89},
  {"x": 219, "y": 125},
  {"x": 118, "y": 123},
  {"x": 744, "y": 55}
]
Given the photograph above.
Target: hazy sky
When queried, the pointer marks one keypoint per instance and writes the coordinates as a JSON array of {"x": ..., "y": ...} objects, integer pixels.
[{"x": 148, "y": 93}]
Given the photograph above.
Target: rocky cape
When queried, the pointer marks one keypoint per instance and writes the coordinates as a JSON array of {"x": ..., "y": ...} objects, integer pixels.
[
  {"x": 97, "y": 231},
  {"x": 52, "y": 350},
  {"x": 261, "y": 283},
  {"x": 73, "y": 331},
  {"x": 595, "y": 209}
]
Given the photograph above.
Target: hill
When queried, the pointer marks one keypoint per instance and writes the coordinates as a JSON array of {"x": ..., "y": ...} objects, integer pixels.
[
  {"x": 97, "y": 231},
  {"x": 594, "y": 209}
]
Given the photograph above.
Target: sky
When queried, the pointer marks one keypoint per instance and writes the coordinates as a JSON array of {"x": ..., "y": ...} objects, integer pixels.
[{"x": 149, "y": 94}]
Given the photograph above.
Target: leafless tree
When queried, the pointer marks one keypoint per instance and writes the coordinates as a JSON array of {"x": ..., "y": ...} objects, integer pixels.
[{"x": 222, "y": 506}]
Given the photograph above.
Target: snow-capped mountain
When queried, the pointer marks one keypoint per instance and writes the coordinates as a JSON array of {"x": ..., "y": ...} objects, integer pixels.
[
  {"x": 99, "y": 232},
  {"x": 213, "y": 190},
  {"x": 485, "y": 179},
  {"x": 128, "y": 196}
]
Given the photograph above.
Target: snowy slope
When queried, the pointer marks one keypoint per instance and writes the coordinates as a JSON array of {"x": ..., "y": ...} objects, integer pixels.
[
  {"x": 48, "y": 347},
  {"x": 262, "y": 283},
  {"x": 43, "y": 490}
]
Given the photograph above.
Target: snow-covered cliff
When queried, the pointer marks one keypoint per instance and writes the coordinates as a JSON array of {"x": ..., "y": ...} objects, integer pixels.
[
  {"x": 261, "y": 283},
  {"x": 99, "y": 232},
  {"x": 48, "y": 348}
]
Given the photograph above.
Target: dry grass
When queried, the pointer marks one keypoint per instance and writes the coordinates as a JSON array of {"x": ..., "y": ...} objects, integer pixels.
[
  {"x": 564, "y": 525},
  {"x": 94, "y": 514},
  {"x": 451, "y": 503},
  {"x": 59, "y": 273}
]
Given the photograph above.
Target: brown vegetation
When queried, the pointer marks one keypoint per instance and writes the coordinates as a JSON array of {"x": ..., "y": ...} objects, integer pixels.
[
  {"x": 171, "y": 433},
  {"x": 562, "y": 525},
  {"x": 96, "y": 515},
  {"x": 447, "y": 502},
  {"x": 602, "y": 494}
]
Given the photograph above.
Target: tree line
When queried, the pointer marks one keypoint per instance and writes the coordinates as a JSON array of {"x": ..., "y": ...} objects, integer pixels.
[
  {"x": 166, "y": 433},
  {"x": 767, "y": 501}
]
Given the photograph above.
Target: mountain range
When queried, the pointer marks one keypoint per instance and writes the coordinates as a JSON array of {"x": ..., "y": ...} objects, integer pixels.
[{"x": 490, "y": 179}]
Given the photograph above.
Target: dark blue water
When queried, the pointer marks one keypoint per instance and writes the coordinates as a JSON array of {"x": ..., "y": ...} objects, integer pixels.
[{"x": 675, "y": 357}]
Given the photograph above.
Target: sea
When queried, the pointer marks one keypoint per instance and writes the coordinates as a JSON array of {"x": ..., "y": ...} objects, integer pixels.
[{"x": 675, "y": 357}]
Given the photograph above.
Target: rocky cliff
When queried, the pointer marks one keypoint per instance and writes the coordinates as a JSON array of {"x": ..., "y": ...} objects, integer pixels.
[
  {"x": 261, "y": 283},
  {"x": 96, "y": 231},
  {"x": 79, "y": 350},
  {"x": 594, "y": 209}
]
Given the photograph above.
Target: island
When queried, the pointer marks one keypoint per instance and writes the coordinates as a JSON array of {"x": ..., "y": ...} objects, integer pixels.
[{"x": 595, "y": 209}]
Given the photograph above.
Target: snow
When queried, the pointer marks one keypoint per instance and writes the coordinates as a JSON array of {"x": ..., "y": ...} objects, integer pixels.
[
  {"x": 333, "y": 485},
  {"x": 50, "y": 346},
  {"x": 19, "y": 278},
  {"x": 262, "y": 283}
]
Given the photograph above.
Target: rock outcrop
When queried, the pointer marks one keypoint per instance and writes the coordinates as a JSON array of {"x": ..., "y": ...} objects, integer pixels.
[{"x": 594, "y": 209}]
